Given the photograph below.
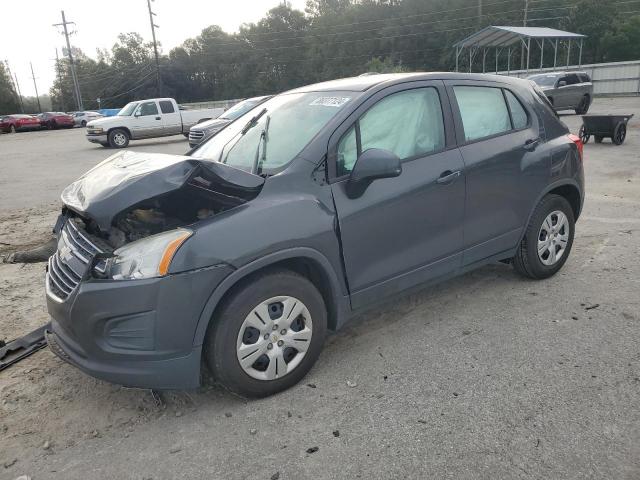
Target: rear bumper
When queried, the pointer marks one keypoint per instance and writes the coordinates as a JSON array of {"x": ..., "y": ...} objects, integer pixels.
[{"x": 137, "y": 333}]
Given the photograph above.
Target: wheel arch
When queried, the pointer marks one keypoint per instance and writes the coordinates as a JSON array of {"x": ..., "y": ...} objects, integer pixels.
[
  {"x": 566, "y": 188},
  {"x": 306, "y": 261},
  {"x": 120, "y": 128}
]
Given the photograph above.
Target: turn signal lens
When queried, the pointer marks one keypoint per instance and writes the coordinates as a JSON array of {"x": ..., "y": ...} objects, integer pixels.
[
  {"x": 578, "y": 141},
  {"x": 169, "y": 252}
]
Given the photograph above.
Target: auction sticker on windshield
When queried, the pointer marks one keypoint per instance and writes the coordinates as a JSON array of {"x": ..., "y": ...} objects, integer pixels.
[{"x": 330, "y": 101}]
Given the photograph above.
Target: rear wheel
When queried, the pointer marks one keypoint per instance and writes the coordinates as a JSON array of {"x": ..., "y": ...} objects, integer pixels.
[
  {"x": 83, "y": 123},
  {"x": 548, "y": 239},
  {"x": 118, "y": 138},
  {"x": 619, "y": 134},
  {"x": 53, "y": 125},
  {"x": 583, "y": 106},
  {"x": 267, "y": 335}
]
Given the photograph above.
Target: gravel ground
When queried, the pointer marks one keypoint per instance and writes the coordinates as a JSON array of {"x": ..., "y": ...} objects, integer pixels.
[{"x": 485, "y": 376}]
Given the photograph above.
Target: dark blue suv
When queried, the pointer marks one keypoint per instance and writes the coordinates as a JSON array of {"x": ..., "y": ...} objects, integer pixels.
[{"x": 314, "y": 205}]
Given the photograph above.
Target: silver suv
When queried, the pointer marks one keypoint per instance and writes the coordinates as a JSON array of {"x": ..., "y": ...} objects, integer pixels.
[{"x": 566, "y": 90}]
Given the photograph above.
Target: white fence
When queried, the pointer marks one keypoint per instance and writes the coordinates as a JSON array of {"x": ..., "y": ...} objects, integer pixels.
[{"x": 615, "y": 78}]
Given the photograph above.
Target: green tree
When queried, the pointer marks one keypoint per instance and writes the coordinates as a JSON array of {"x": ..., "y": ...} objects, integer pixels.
[{"x": 8, "y": 98}]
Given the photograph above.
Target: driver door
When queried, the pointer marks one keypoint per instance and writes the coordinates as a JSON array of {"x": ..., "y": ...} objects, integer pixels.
[
  {"x": 405, "y": 230},
  {"x": 147, "y": 120}
]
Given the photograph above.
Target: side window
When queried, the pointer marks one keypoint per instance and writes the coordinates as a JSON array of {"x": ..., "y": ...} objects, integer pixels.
[
  {"x": 148, "y": 108},
  {"x": 483, "y": 111},
  {"x": 518, "y": 113},
  {"x": 406, "y": 123},
  {"x": 166, "y": 106},
  {"x": 572, "y": 79}
]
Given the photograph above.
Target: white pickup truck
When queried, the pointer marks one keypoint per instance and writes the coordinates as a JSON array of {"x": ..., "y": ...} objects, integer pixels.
[{"x": 155, "y": 117}]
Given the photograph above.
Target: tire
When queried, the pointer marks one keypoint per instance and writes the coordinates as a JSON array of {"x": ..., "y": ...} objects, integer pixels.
[
  {"x": 105, "y": 145},
  {"x": 12, "y": 129},
  {"x": 597, "y": 138},
  {"x": 583, "y": 107},
  {"x": 583, "y": 136},
  {"x": 53, "y": 125},
  {"x": 83, "y": 123},
  {"x": 619, "y": 134},
  {"x": 527, "y": 261},
  {"x": 118, "y": 138},
  {"x": 271, "y": 293}
]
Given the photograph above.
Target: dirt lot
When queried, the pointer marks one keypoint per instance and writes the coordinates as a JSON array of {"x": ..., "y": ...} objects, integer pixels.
[{"x": 485, "y": 376}]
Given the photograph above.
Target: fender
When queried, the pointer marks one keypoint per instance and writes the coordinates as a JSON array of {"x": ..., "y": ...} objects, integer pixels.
[
  {"x": 559, "y": 183},
  {"x": 339, "y": 298}
]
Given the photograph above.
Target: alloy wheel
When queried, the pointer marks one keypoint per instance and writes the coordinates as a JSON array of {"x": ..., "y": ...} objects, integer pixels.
[
  {"x": 553, "y": 238},
  {"x": 274, "y": 338},
  {"x": 119, "y": 139}
]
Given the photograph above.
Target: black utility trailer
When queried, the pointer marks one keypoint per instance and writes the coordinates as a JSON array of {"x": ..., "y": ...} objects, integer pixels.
[{"x": 601, "y": 126}]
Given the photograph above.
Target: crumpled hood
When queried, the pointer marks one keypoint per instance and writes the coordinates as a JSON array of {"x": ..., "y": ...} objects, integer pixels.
[{"x": 127, "y": 178}]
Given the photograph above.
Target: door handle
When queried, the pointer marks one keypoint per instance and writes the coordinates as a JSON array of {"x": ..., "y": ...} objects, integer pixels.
[
  {"x": 448, "y": 177},
  {"x": 531, "y": 144},
  {"x": 158, "y": 118}
]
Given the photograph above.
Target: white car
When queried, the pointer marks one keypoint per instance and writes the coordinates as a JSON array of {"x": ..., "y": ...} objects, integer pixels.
[
  {"x": 82, "y": 118},
  {"x": 154, "y": 117}
]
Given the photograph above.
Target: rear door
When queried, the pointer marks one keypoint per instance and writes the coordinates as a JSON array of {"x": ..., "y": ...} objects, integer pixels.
[
  {"x": 147, "y": 121},
  {"x": 405, "y": 230},
  {"x": 171, "y": 119},
  {"x": 498, "y": 137}
]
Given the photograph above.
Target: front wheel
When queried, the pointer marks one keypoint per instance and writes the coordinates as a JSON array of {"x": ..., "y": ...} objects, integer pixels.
[
  {"x": 118, "y": 138},
  {"x": 583, "y": 135},
  {"x": 83, "y": 123},
  {"x": 548, "y": 239},
  {"x": 267, "y": 335},
  {"x": 12, "y": 129}
]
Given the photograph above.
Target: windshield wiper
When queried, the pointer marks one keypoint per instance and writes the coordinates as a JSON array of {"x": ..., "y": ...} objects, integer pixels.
[
  {"x": 252, "y": 123},
  {"x": 260, "y": 158}
]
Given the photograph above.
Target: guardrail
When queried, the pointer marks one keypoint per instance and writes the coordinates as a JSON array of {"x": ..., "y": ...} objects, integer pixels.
[{"x": 614, "y": 78}]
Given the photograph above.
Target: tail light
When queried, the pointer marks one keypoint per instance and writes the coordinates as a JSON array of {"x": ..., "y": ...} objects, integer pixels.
[{"x": 578, "y": 141}]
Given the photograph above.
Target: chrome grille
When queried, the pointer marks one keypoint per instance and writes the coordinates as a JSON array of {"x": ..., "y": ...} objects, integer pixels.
[{"x": 70, "y": 262}]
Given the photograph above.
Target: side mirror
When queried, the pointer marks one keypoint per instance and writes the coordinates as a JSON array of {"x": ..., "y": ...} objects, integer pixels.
[
  {"x": 562, "y": 83},
  {"x": 372, "y": 164},
  {"x": 137, "y": 113}
]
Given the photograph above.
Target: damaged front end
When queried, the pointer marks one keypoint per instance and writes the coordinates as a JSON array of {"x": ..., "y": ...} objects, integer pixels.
[{"x": 127, "y": 216}]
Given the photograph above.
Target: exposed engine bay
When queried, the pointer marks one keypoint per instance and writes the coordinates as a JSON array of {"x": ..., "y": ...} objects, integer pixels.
[{"x": 132, "y": 196}]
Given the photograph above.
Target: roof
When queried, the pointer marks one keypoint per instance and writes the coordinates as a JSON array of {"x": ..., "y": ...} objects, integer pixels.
[{"x": 501, "y": 36}]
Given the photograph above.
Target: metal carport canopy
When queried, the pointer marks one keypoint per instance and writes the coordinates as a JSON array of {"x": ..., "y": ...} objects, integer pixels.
[{"x": 500, "y": 37}]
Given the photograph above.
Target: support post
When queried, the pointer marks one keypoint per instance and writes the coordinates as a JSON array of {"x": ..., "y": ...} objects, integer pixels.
[
  {"x": 528, "y": 52},
  {"x": 555, "y": 54},
  {"x": 484, "y": 60},
  {"x": 470, "y": 59},
  {"x": 568, "y": 52},
  {"x": 509, "y": 62},
  {"x": 541, "y": 54},
  {"x": 580, "y": 56},
  {"x": 457, "y": 56}
]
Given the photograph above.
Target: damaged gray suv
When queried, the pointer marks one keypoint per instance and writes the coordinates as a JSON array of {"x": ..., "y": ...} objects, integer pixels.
[{"x": 316, "y": 204}]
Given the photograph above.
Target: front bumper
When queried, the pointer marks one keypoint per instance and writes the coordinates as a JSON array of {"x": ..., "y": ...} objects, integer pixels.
[
  {"x": 137, "y": 333},
  {"x": 97, "y": 137}
]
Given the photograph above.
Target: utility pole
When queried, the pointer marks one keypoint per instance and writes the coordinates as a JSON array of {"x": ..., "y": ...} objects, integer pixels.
[
  {"x": 479, "y": 13},
  {"x": 524, "y": 24},
  {"x": 36, "y": 87},
  {"x": 64, "y": 104},
  {"x": 16, "y": 89},
  {"x": 76, "y": 85},
  {"x": 19, "y": 94},
  {"x": 155, "y": 49}
]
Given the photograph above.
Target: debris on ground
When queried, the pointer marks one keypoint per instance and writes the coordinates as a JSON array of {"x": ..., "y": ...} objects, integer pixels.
[
  {"x": 311, "y": 385},
  {"x": 336, "y": 433},
  {"x": 253, "y": 431},
  {"x": 351, "y": 384},
  {"x": 313, "y": 450},
  {"x": 41, "y": 253},
  {"x": 591, "y": 307}
]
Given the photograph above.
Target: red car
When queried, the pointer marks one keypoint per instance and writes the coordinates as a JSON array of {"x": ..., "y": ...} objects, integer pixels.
[
  {"x": 16, "y": 123},
  {"x": 56, "y": 120}
]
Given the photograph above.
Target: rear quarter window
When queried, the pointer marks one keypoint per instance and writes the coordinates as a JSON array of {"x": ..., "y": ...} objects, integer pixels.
[
  {"x": 166, "y": 106},
  {"x": 483, "y": 111}
]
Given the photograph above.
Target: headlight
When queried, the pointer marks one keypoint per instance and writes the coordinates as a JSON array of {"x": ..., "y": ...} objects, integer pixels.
[
  {"x": 96, "y": 129},
  {"x": 146, "y": 258}
]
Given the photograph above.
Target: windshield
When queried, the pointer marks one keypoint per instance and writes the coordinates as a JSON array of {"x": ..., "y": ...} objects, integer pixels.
[
  {"x": 273, "y": 133},
  {"x": 544, "y": 80},
  {"x": 239, "y": 109},
  {"x": 128, "y": 109}
]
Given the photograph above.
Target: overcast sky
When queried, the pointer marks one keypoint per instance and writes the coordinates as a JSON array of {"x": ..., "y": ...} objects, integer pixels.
[{"x": 28, "y": 34}]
